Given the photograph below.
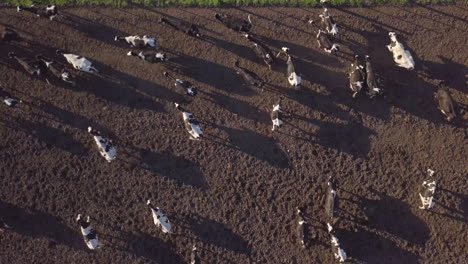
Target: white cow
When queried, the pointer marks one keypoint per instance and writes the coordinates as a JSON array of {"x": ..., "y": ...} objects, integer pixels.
[
  {"x": 191, "y": 123},
  {"x": 160, "y": 219},
  {"x": 78, "y": 62},
  {"x": 89, "y": 234},
  {"x": 338, "y": 252},
  {"x": 427, "y": 196},
  {"x": 401, "y": 56},
  {"x": 104, "y": 145},
  {"x": 276, "y": 116},
  {"x": 139, "y": 42}
]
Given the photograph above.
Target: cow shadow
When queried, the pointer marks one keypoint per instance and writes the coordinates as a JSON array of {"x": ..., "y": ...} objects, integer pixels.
[
  {"x": 351, "y": 138},
  {"x": 176, "y": 168},
  {"x": 41, "y": 225},
  {"x": 145, "y": 247},
  {"x": 239, "y": 107},
  {"x": 387, "y": 214},
  {"x": 366, "y": 247},
  {"x": 236, "y": 49},
  {"x": 212, "y": 232},
  {"x": 460, "y": 212},
  {"x": 50, "y": 136},
  {"x": 212, "y": 74},
  {"x": 451, "y": 72},
  {"x": 256, "y": 145},
  {"x": 91, "y": 29}
]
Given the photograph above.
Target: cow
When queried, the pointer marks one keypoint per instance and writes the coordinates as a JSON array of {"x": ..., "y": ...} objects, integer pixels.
[
  {"x": 338, "y": 252},
  {"x": 324, "y": 41},
  {"x": 57, "y": 70},
  {"x": 105, "y": 145},
  {"x": 371, "y": 81},
  {"x": 188, "y": 28},
  {"x": 3, "y": 225},
  {"x": 8, "y": 35},
  {"x": 401, "y": 56},
  {"x": 328, "y": 21},
  {"x": 194, "y": 259},
  {"x": 187, "y": 87},
  {"x": 191, "y": 123},
  {"x": 159, "y": 218},
  {"x": 32, "y": 66},
  {"x": 249, "y": 77},
  {"x": 89, "y": 234},
  {"x": 9, "y": 101},
  {"x": 151, "y": 56},
  {"x": 293, "y": 78},
  {"x": 356, "y": 76},
  {"x": 78, "y": 62},
  {"x": 262, "y": 51},
  {"x": 276, "y": 117},
  {"x": 302, "y": 229},
  {"x": 139, "y": 42},
  {"x": 446, "y": 104},
  {"x": 427, "y": 194},
  {"x": 331, "y": 202},
  {"x": 50, "y": 11},
  {"x": 235, "y": 23}
]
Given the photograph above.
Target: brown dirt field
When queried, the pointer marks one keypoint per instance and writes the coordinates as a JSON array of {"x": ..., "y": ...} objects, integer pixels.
[{"x": 234, "y": 193}]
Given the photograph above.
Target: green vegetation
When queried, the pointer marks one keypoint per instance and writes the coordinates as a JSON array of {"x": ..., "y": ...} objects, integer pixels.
[{"x": 221, "y": 3}]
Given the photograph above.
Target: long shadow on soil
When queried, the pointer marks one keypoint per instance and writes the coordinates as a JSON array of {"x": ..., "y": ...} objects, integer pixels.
[
  {"x": 395, "y": 217},
  {"x": 459, "y": 213},
  {"x": 217, "y": 234},
  {"x": 256, "y": 145},
  {"x": 40, "y": 225},
  {"x": 174, "y": 167},
  {"x": 146, "y": 247},
  {"x": 239, "y": 107},
  {"x": 48, "y": 135},
  {"x": 92, "y": 29},
  {"x": 371, "y": 248}
]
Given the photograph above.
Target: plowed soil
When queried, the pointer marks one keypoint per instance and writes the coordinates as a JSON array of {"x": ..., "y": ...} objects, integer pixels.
[{"x": 235, "y": 192}]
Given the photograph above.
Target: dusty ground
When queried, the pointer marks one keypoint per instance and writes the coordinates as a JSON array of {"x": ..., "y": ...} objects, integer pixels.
[{"x": 235, "y": 192}]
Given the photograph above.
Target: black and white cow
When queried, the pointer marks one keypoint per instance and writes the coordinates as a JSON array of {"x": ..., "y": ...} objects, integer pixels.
[
  {"x": 32, "y": 66},
  {"x": 338, "y": 252},
  {"x": 446, "y": 104},
  {"x": 293, "y": 78},
  {"x": 3, "y": 225},
  {"x": 324, "y": 40},
  {"x": 50, "y": 11},
  {"x": 249, "y": 77},
  {"x": 401, "y": 56},
  {"x": 8, "y": 34},
  {"x": 151, "y": 56},
  {"x": 276, "y": 116},
  {"x": 328, "y": 21},
  {"x": 57, "y": 70},
  {"x": 262, "y": 51},
  {"x": 188, "y": 28},
  {"x": 8, "y": 99},
  {"x": 302, "y": 229},
  {"x": 332, "y": 201},
  {"x": 187, "y": 87},
  {"x": 191, "y": 123},
  {"x": 371, "y": 81},
  {"x": 78, "y": 62},
  {"x": 89, "y": 234},
  {"x": 105, "y": 145},
  {"x": 159, "y": 218},
  {"x": 234, "y": 23},
  {"x": 427, "y": 194},
  {"x": 139, "y": 42},
  {"x": 356, "y": 76},
  {"x": 194, "y": 259}
]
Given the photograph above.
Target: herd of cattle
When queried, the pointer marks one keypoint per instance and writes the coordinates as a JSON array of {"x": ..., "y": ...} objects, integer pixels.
[{"x": 361, "y": 76}]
